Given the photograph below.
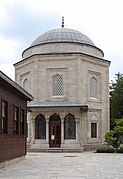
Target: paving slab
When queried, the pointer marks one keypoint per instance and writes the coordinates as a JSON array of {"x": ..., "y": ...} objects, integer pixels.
[{"x": 86, "y": 165}]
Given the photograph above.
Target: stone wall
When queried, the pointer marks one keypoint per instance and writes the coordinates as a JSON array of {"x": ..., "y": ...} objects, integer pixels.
[{"x": 77, "y": 70}]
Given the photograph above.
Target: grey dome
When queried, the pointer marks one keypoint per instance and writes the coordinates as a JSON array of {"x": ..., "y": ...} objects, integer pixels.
[{"x": 62, "y": 35}]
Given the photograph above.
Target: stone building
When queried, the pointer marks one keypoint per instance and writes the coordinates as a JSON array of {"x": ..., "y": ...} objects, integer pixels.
[{"x": 69, "y": 79}]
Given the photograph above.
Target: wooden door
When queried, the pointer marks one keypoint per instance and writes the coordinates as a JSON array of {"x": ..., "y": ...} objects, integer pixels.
[{"x": 55, "y": 131}]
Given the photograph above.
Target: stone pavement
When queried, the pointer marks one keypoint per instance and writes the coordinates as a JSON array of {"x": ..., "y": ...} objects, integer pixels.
[{"x": 86, "y": 165}]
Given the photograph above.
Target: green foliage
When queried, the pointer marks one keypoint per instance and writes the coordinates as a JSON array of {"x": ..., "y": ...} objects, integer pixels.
[
  {"x": 115, "y": 136},
  {"x": 119, "y": 122},
  {"x": 116, "y": 99},
  {"x": 120, "y": 149},
  {"x": 105, "y": 150},
  {"x": 110, "y": 138},
  {"x": 118, "y": 131},
  {"x": 114, "y": 139}
]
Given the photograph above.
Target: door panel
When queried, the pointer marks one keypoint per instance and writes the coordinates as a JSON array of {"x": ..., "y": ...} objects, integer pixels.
[
  {"x": 55, "y": 133},
  {"x": 58, "y": 134}
]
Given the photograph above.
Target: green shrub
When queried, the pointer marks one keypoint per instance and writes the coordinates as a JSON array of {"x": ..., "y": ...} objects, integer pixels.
[
  {"x": 110, "y": 139},
  {"x": 105, "y": 150},
  {"x": 120, "y": 150},
  {"x": 115, "y": 136}
]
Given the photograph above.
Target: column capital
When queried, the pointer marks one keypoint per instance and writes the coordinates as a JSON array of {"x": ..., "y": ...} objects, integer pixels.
[
  {"x": 47, "y": 119},
  {"x": 32, "y": 119},
  {"x": 62, "y": 119},
  {"x": 77, "y": 120}
]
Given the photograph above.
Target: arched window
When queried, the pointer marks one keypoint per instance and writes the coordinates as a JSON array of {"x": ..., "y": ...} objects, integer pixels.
[
  {"x": 69, "y": 127},
  {"x": 40, "y": 127},
  {"x": 54, "y": 117},
  {"x": 26, "y": 84},
  {"x": 57, "y": 85},
  {"x": 93, "y": 87}
]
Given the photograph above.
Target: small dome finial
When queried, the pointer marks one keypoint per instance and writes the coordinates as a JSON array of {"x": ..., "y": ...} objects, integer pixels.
[{"x": 62, "y": 22}]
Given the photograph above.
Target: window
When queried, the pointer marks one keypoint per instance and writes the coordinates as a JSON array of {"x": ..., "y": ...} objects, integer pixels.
[
  {"x": 40, "y": 127},
  {"x": 57, "y": 85},
  {"x": 4, "y": 117},
  {"x": 93, "y": 87},
  {"x": 93, "y": 130},
  {"x": 69, "y": 127},
  {"x": 16, "y": 118},
  {"x": 26, "y": 84},
  {"x": 22, "y": 122}
]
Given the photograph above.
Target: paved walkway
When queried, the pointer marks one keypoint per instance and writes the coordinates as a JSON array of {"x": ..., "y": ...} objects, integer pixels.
[{"x": 86, "y": 165}]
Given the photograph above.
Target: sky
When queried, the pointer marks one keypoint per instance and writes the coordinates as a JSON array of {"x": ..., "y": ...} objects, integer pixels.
[{"x": 22, "y": 21}]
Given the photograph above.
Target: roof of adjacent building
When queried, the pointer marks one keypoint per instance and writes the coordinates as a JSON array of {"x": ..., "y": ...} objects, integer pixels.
[
  {"x": 56, "y": 104},
  {"x": 62, "y": 35},
  {"x": 8, "y": 80}
]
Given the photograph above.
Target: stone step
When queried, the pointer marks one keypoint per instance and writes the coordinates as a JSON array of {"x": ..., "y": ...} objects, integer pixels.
[{"x": 56, "y": 150}]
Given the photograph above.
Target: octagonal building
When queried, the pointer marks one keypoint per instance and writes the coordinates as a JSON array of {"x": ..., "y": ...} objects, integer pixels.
[{"x": 69, "y": 79}]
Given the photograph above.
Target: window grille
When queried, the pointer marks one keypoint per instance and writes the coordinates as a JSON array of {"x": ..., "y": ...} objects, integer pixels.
[
  {"x": 93, "y": 87},
  {"x": 57, "y": 85}
]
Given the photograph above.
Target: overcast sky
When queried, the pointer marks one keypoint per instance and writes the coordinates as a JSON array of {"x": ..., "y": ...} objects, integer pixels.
[{"x": 22, "y": 21}]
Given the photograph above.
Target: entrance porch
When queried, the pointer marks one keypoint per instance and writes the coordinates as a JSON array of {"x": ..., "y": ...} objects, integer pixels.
[{"x": 55, "y": 128}]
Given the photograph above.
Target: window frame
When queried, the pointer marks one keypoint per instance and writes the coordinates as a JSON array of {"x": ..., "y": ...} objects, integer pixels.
[
  {"x": 22, "y": 121},
  {"x": 57, "y": 85},
  {"x": 15, "y": 120},
  {"x": 26, "y": 84},
  {"x": 40, "y": 119},
  {"x": 93, "y": 88},
  {"x": 67, "y": 125},
  {"x": 4, "y": 119},
  {"x": 93, "y": 129}
]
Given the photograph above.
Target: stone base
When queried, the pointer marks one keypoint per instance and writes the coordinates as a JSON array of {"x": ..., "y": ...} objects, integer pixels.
[
  {"x": 66, "y": 147},
  {"x": 69, "y": 146},
  {"x": 92, "y": 147}
]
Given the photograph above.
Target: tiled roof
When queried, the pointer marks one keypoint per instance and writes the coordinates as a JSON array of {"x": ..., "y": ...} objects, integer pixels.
[
  {"x": 62, "y": 35},
  {"x": 54, "y": 104}
]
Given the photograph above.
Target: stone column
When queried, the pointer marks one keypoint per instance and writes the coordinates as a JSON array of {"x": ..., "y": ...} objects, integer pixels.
[
  {"x": 77, "y": 129},
  {"x": 47, "y": 130},
  {"x": 84, "y": 124},
  {"x": 33, "y": 130},
  {"x": 29, "y": 129},
  {"x": 62, "y": 130}
]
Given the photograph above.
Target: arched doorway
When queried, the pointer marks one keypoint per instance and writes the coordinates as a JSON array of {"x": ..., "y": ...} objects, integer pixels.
[{"x": 55, "y": 131}]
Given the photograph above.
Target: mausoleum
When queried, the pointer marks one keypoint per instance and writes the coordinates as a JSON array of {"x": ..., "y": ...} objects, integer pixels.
[{"x": 69, "y": 78}]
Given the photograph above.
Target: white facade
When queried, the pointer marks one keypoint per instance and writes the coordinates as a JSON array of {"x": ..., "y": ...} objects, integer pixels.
[{"x": 70, "y": 84}]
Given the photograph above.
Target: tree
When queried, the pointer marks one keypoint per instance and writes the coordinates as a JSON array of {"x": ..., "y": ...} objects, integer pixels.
[
  {"x": 110, "y": 139},
  {"x": 115, "y": 137},
  {"x": 118, "y": 131},
  {"x": 116, "y": 99}
]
